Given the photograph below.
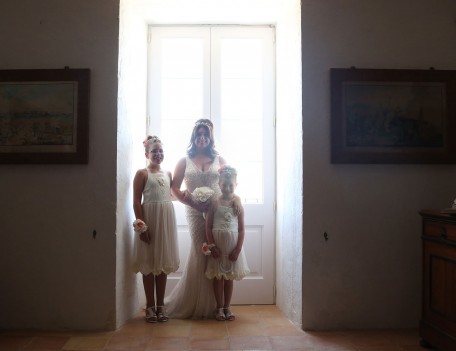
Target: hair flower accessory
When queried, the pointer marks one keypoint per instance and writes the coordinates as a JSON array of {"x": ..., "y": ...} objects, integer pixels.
[
  {"x": 202, "y": 194},
  {"x": 139, "y": 226},
  {"x": 206, "y": 248}
]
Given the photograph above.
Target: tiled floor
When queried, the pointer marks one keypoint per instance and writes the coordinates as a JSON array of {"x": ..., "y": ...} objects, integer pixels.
[{"x": 255, "y": 328}]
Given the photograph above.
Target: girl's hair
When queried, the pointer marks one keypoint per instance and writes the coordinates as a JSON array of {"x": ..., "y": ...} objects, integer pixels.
[
  {"x": 151, "y": 139},
  {"x": 227, "y": 172},
  {"x": 210, "y": 150}
]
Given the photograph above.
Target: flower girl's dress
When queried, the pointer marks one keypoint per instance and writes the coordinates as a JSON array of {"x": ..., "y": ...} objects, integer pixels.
[{"x": 225, "y": 232}]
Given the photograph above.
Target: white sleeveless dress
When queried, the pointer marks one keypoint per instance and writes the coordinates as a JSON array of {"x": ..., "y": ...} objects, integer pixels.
[
  {"x": 193, "y": 296},
  {"x": 162, "y": 254},
  {"x": 225, "y": 233}
]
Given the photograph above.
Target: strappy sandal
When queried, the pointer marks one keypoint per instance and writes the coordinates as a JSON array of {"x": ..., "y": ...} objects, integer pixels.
[
  {"x": 161, "y": 315},
  {"x": 229, "y": 316},
  {"x": 220, "y": 316},
  {"x": 151, "y": 316}
]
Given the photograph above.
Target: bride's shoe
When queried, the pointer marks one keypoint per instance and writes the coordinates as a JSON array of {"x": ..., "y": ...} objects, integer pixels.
[
  {"x": 161, "y": 314},
  {"x": 220, "y": 315},
  {"x": 229, "y": 316}
]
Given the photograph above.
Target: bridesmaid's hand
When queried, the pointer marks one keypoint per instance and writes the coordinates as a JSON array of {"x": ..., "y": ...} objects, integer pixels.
[
  {"x": 233, "y": 256},
  {"x": 215, "y": 252},
  {"x": 144, "y": 236}
]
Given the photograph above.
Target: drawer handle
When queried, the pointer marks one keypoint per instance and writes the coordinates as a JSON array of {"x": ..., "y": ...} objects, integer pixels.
[{"x": 443, "y": 233}]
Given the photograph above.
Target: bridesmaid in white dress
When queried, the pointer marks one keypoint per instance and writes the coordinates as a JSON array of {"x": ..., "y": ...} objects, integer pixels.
[
  {"x": 155, "y": 249},
  {"x": 193, "y": 296}
]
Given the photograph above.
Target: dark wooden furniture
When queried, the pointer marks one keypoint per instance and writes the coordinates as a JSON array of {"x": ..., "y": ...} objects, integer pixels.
[{"x": 438, "y": 319}]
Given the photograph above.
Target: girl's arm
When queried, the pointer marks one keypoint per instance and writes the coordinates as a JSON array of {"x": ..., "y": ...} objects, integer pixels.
[
  {"x": 233, "y": 256},
  {"x": 209, "y": 236},
  {"x": 138, "y": 186}
]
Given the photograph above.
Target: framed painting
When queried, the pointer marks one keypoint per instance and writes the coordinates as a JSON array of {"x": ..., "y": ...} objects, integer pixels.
[
  {"x": 393, "y": 116},
  {"x": 44, "y": 116}
]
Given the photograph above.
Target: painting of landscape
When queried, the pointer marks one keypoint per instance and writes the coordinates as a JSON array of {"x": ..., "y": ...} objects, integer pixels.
[
  {"x": 394, "y": 114},
  {"x": 38, "y": 116}
]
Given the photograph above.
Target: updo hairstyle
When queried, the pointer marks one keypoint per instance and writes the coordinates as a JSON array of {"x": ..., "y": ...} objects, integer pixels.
[
  {"x": 151, "y": 139},
  {"x": 228, "y": 173}
]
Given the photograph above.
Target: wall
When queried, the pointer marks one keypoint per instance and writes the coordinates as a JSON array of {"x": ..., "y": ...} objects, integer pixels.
[
  {"x": 367, "y": 275},
  {"x": 54, "y": 274}
]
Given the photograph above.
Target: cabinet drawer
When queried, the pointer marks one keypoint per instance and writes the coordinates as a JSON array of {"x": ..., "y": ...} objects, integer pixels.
[{"x": 440, "y": 230}]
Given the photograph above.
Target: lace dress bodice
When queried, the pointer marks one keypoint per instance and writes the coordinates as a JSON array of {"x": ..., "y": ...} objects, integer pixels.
[{"x": 195, "y": 178}]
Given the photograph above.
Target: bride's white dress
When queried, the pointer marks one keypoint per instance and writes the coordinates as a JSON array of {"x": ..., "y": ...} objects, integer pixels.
[{"x": 193, "y": 296}]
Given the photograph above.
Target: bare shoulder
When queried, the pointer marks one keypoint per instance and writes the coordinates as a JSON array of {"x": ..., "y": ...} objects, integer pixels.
[{"x": 141, "y": 173}]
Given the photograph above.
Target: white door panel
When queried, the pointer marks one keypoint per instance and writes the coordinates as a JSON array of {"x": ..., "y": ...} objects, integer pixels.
[{"x": 229, "y": 74}]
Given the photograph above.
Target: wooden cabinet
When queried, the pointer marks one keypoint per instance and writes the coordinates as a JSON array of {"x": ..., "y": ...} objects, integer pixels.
[{"x": 438, "y": 319}]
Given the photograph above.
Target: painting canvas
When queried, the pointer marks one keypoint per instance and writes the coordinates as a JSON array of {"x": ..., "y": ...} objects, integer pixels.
[
  {"x": 392, "y": 116},
  {"x": 44, "y": 116}
]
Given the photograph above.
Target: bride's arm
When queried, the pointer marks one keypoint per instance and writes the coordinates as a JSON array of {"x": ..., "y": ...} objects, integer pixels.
[{"x": 183, "y": 196}]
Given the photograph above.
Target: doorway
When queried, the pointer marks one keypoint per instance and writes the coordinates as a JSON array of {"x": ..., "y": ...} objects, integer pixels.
[
  {"x": 285, "y": 16},
  {"x": 226, "y": 74}
]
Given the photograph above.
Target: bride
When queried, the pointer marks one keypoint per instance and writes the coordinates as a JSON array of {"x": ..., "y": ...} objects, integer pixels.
[{"x": 193, "y": 295}]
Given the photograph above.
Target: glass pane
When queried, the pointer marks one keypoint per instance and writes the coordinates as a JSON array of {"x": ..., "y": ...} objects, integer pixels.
[
  {"x": 250, "y": 182},
  {"x": 242, "y": 113},
  {"x": 241, "y": 58},
  {"x": 175, "y": 140},
  {"x": 181, "y": 97},
  {"x": 242, "y": 98},
  {"x": 182, "y": 58},
  {"x": 181, "y": 100},
  {"x": 242, "y": 139}
]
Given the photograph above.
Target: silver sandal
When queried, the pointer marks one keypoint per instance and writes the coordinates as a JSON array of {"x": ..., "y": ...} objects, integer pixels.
[
  {"x": 151, "y": 316},
  {"x": 161, "y": 314},
  {"x": 229, "y": 316},
  {"x": 220, "y": 316}
]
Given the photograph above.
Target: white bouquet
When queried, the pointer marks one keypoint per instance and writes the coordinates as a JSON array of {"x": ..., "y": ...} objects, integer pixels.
[
  {"x": 202, "y": 194},
  {"x": 139, "y": 226}
]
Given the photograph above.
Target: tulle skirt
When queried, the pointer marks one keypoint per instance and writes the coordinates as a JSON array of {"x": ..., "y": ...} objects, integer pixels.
[
  {"x": 222, "y": 267},
  {"x": 161, "y": 254}
]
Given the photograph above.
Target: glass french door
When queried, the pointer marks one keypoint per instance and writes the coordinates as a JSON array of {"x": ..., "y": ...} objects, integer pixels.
[{"x": 226, "y": 74}]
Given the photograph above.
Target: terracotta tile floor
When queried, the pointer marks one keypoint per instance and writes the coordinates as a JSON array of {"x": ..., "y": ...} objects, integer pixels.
[{"x": 256, "y": 328}]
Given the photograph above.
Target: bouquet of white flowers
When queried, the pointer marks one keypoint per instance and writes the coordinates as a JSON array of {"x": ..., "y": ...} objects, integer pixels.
[
  {"x": 202, "y": 194},
  {"x": 139, "y": 226}
]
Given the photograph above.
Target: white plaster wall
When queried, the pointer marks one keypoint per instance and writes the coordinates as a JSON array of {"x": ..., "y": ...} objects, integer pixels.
[
  {"x": 54, "y": 274},
  {"x": 368, "y": 274},
  {"x": 130, "y": 150}
]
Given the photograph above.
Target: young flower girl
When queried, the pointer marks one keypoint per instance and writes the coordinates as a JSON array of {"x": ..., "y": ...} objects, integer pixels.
[{"x": 225, "y": 237}]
